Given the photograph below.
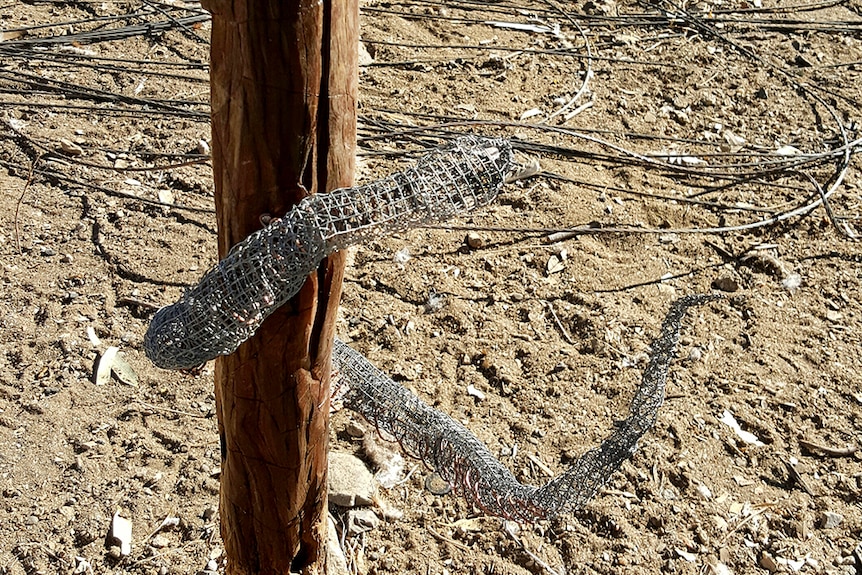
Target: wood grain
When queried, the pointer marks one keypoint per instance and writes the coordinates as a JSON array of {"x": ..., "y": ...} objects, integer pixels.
[{"x": 283, "y": 90}]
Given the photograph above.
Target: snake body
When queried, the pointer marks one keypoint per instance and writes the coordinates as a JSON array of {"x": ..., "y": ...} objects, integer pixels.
[{"x": 269, "y": 267}]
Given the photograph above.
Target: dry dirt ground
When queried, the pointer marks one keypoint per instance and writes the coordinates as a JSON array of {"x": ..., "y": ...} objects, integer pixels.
[{"x": 553, "y": 335}]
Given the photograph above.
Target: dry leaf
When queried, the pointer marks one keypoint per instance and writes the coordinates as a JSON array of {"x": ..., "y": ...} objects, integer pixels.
[
  {"x": 530, "y": 114},
  {"x": 112, "y": 362},
  {"x": 747, "y": 437},
  {"x": 555, "y": 265}
]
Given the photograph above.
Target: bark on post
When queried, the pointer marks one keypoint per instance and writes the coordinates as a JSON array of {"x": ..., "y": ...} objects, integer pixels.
[{"x": 283, "y": 91}]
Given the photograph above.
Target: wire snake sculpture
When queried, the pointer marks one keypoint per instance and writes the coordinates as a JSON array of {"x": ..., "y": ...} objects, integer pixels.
[{"x": 265, "y": 270}]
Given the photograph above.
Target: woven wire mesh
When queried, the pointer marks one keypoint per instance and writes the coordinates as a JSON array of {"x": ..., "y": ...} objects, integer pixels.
[
  {"x": 461, "y": 459},
  {"x": 265, "y": 270},
  {"x": 444, "y": 183}
]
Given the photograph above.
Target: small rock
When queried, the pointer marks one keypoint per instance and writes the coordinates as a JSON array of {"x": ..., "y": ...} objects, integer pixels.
[
  {"x": 121, "y": 164},
  {"x": 66, "y": 258},
  {"x": 768, "y": 562},
  {"x": 31, "y": 520},
  {"x": 121, "y": 532},
  {"x": 733, "y": 143},
  {"x": 166, "y": 197},
  {"x": 47, "y": 252},
  {"x": 209, "y": 513},
  {"x": 389, "y": 512},
  {"x": 361, "y": 520},
  {"x": 159, "y": 541},
  {"x": 211, "y": 485},
  {"x": 690, "y": 557},
  {"x": 477, "y": 393},
  {"x": 704, "y": 491},
  {"x": 365, "y": 58},
  {"x": 830, "y": 520},
  {"x": 834, "y": 316},
  {"x": 350, "y": 482},
  {"x": 406, "y": 372},
  {"x": 355, "y": 429},
  {"x": 436, "y": 484},
  {"x": 71, "y": 148},
  {"x": 82, "y": 566},
  {"x": 212, "y": 565},
  {"x": 115, "y": 553},
  {"x": 726, "y": 284},
  {"x": 474, "y": 241}
]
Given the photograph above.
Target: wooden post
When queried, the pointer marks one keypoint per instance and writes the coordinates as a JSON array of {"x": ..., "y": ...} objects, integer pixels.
[{"x": 283, "y": 90}]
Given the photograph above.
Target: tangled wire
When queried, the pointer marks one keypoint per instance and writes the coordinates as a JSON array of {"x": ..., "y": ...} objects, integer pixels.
[{"x": 268, "y": 268}]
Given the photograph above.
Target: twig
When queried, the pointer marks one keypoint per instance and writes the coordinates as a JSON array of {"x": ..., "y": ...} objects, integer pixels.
[
  {"x": 588, "y": 72},
  {"x": 829, "y": 451},
  {"x": 131, "y": 301},
  {"x": 561, "y": 236},
  {"x": 826, "y": 205},
  {"x": 169, "y": 410},
  {"x": 460, "y": 546},
  {"x": 541, "y": 465},
  {"x": 507, "y": 527},
  {"x": 759, "y": 510},
  {"x": 566, "y": 335},
  {"x": 721, "y": 251},
  {"x": 21, "y": 199},
  {"x": 578, "y": 110},
  {"x": 799, "y": 479},
  {"x": 56, "y": 175}
]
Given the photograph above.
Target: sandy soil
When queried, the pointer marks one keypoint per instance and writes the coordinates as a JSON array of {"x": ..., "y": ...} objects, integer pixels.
[{"x": 554, "y": 335}]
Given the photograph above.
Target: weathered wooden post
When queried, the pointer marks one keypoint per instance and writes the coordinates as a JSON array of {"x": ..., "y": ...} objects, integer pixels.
[{"x": 283, "y": 89}]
